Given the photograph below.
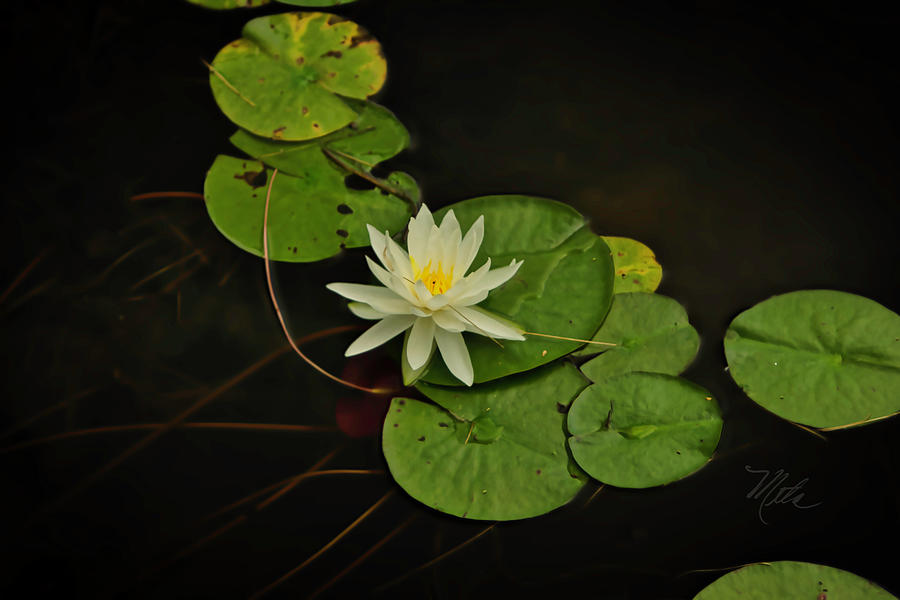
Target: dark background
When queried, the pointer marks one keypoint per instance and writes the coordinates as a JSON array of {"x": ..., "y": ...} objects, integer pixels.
[{"x": 754, "y": 149}]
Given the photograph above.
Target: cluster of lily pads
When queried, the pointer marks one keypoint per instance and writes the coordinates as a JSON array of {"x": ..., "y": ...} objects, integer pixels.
[
  {"x": 297, "y": 86},
  {"x": 547, "y": 414}
]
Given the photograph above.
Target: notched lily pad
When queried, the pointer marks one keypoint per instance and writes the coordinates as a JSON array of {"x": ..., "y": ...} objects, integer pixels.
[
  {"x": 789, "y": 579},
  {"x": 641, "y": 430},
  {"x": 819, "y": 357},
  {"x": 374, "y": 135},
  {"x": 564, "y": 287},
  {"x": 636, "y": 266},
  {"x": 310, "y": 218},
  {"x": 495, "y": 452},
  {"x": 286, "y": 77},
  {"x": 651, "y": 333}
]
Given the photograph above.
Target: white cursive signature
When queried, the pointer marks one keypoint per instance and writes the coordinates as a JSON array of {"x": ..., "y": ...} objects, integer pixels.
[{"x": 768, "y": 492}]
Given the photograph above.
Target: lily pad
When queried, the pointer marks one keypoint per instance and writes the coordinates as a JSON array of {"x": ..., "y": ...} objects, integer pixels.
[
  {"x": 636, "y": 266},
  {"x": 640, "y": 430},
  {"x": 818, "y": 357},
  {"x": 495, "y": 452},
  {"x": 310, "y": 217},
  {"x": 228, "y": 4},
  {"x": 374, "y": 136},
  {"x": 284, "y": 79},
  {"x": 564, "y": 287},
  {"x": 651, "y": 333},
  {"x": 315, "y": 2},
  {"x": 789, "y": 579}
]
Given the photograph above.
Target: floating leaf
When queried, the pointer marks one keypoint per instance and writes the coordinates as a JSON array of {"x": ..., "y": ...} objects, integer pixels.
[
  {"x": 375, "y": 135},
  {"x": 651, "y": 333},
  {"x": 643, "y": 429},
  {"x": 818, "y": 357},
  {"x": 788, "y": 579},
  {"x": 636, "y": 266},
  {"x": 496, "y": 451},
  {"x": 310, "y": 217},
  {"x": 228, "y": 4},
  {"x": 283, "y": 79},
  {"x": 564, "y": 287},
  {"x": 315, "y": 2}
]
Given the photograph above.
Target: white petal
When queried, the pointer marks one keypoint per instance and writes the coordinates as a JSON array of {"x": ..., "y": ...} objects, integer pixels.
[
  {"x": 450, "y": 239},
  {"x": 498, "y": 277},
  {"x": 410, "y": 375},
  {"x": 434, "y": 248},
  {"x": 455, "y": 354},
  {"x": 379, "y": 298},
  {"x": 364, "y": 311},
  {"x": 469, "y": 248},
  {"x": 379, "y": 333},
  {"x": 472, "y": 298},
  {"x": 450, "y": 224},
  {"x": 437, "y": 302},
  {"x": 448, "y": 320},
  {"x": 468, "y": 284},
  {"x": 378, "y": 241},
  {"x": 471, "y": 281},
  {"x": 486, "y": 323},
  {"x": 422, "y": 292},
  {"x": 419, "y": 230},
  {"x": 402, "y": 267},
  {"x": 391, "y": 281},
  {"x": 421, "y": 339}
]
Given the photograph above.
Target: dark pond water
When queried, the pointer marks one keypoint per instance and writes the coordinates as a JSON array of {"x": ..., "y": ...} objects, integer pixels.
[{"x": 754, "y": 150}]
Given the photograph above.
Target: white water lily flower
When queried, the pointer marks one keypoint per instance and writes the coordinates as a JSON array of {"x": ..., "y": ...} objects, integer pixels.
[{"x": 428, "y": 290}]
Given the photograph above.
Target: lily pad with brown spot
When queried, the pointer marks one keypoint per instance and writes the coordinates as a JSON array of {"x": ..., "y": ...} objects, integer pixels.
[
  {"x": 790, "y": 579},
  {"x": 636, "y": 266},
  {"x": 315, "y": 2},
  {"x": 228, "y": 4},
  {"x": 374, "y": 135},
  {"x": 310, "y": 218},
  {"x": 285, "y": 78}
]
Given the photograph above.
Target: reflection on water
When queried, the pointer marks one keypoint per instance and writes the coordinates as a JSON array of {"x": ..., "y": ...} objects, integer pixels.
[{"x": 751, "y": 156}]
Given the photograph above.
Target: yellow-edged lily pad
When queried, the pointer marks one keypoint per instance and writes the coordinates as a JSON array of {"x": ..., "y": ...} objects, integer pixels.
[{"x": 285, "y": 78}]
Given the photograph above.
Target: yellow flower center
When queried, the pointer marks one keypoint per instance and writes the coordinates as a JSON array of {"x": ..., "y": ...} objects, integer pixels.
[{"x": 435, "y": 280}]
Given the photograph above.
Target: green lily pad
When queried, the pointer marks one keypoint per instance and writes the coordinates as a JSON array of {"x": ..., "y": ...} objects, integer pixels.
[
  {"x": 789, "y": 579},
  {"x": 228, "y": 4},
  {"x": 310, "y": 217},
  {"x": 374, "y": 136},
  {"x": 315, "y": 2},
  {"x": 496, "y": 451},
  {"x": 640, "y": 430},
  {"x": 636, "y": 266},
  {"x": 564, "y": 287},
  {"x": 819, "y": 357},
  {"x": 284, "y": 79},
  {"x": 651, "y": 333}
]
